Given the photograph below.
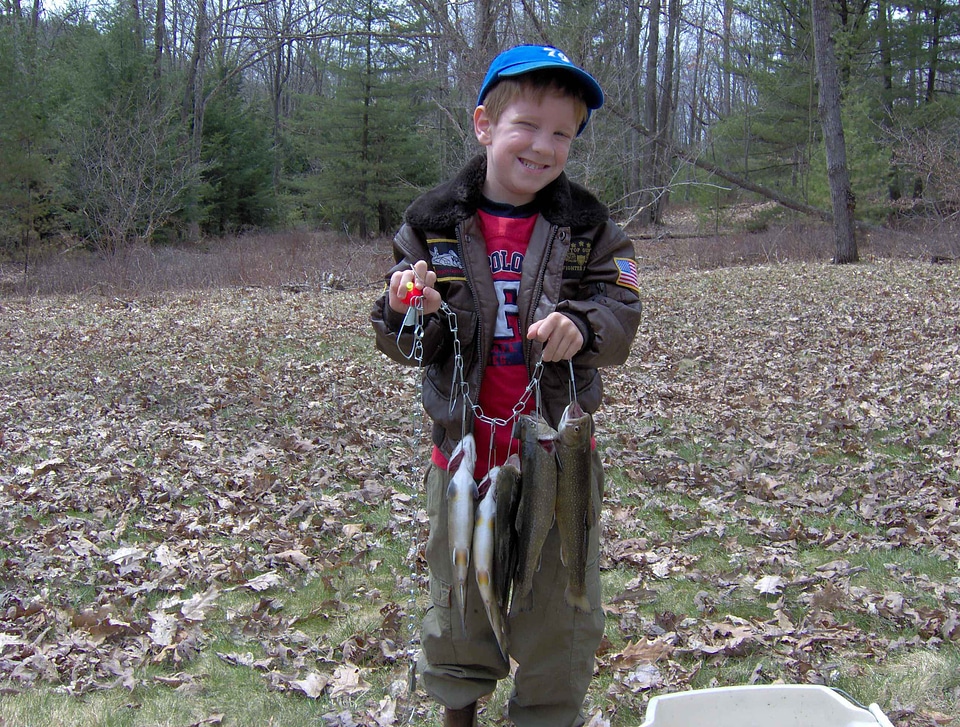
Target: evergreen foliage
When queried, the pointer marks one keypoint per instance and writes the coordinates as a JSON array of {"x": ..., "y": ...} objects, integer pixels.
[
  {"x": 370, "y": 154},
  {"x": 372, "y": 157},
  {"x": 237, "y": 190},
  {"x": 26, "y": 176}
]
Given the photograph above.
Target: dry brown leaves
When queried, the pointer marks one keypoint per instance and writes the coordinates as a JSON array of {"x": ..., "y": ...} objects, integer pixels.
[
  {"x": 157, "y": 454},
  {"x": 817, "y": 409}
]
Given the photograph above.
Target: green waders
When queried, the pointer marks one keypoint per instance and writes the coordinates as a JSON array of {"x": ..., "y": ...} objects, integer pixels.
[{"x": 553, "y": 644}]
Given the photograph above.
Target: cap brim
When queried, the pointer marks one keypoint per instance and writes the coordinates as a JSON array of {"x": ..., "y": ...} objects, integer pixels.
[{"x": 593, "y": 94}]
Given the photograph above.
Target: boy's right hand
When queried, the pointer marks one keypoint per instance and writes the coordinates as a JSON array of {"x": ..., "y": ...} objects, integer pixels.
[{"x": 421, "y": 277}]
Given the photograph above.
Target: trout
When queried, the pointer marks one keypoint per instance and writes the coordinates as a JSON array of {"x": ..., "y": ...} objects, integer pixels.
[
  {"x": 461, "y": 494},
  {"x": 575, "y": 511},
  {"x": 505, "y": 542},
  {"x": 538, "y": 501},
  {"x": 483, "y": 560}
]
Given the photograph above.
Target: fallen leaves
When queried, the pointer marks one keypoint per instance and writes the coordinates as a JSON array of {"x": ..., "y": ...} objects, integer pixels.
[{"x": 173, "y": 465}]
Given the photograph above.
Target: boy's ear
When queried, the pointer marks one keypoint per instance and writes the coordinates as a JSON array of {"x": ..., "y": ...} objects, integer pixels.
[{"x": 481, "y": 125}]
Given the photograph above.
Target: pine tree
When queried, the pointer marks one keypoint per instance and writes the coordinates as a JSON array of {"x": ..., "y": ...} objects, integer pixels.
[{"x": 372, "y": 156}]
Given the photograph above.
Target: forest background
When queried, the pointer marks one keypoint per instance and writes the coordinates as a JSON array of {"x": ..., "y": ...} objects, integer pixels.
[
  {"x": 209, "y": 486},
  {"x": 125, "y": 123}
]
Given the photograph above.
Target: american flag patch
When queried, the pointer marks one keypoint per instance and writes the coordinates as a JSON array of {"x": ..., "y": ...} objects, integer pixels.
[{"x": 627, "y": 274}]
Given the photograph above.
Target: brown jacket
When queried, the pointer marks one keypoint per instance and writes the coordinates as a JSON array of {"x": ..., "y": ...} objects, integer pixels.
[{"x": 570, "y": 266}]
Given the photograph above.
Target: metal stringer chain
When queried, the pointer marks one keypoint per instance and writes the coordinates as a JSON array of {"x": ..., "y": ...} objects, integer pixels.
[{"x": 462, "y": 388}]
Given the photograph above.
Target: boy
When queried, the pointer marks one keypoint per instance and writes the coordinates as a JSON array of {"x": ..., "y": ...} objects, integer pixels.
[{"x": 533, "y": 269}]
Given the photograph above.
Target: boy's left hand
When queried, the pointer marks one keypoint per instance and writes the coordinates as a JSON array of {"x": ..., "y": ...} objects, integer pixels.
[{"x": 559, "y": 335}]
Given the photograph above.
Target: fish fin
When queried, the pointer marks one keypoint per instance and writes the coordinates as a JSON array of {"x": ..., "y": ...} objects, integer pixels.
[
  {"x": 578, "y": 601},
  {"x": 518, "y": 517}
]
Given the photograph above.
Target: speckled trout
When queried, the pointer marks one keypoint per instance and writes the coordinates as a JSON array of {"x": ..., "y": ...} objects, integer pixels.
[
  {"x": 461, "y": 497},
  {"x": 575, "y": 511},
  {"x": 484, "y": 566},
  {"x": 538, "y": 500}
]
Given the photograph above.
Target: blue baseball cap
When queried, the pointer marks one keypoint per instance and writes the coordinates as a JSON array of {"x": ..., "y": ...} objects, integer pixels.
[{"x": 526, "y": 58}]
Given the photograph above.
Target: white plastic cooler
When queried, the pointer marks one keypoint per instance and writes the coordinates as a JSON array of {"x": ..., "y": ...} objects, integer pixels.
[{"x": 769, "y": 705}]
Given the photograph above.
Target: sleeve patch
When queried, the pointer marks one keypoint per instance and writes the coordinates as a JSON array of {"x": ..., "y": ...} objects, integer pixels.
[{"x": 627, "y": 276}]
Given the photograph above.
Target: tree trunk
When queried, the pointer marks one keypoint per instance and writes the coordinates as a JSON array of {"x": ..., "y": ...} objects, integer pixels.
[
  {"x": 665, "y": 111},
  {"x": 649, "y": 156},
  {"x": 934, "y": 62},
  {"x": 726, "y": 71},
  {"x": 362, "y": 226},
  {"x": 158, "y": 29},
  {"x": 841, "y": 194},
  {"x": 486, "y": 40},
  {"x": 192, "y": 109},
  {"x": 632, "y": 58},
  {"x": 894, "y": 187}
]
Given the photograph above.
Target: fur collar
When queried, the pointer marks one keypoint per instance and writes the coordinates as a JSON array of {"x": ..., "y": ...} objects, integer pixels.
[{"x": 562, "y": 202}]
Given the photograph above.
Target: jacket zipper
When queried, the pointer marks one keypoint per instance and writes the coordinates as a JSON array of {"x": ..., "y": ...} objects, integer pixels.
[{"x": 535, "y": 301}]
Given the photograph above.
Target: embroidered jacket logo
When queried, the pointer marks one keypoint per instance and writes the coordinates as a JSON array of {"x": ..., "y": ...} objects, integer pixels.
[{"x": 445, "y": 260}]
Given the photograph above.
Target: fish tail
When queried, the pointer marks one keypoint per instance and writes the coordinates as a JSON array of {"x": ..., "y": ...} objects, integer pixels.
[{"x": 503, "y": 643}]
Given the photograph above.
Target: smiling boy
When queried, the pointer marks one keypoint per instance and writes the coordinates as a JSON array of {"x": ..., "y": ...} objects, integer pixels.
[{"x": 533, "y": 269}]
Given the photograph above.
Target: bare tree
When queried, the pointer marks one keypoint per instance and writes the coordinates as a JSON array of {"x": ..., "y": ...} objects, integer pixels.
[
  {"x": 841, "y": 193},
  {"x": 658, "y": 111},
  {"x": 648, "y": 212},
  {"x": 130, "y": 172},
  {"x": 632, "y": 58},
  {"x": 931, "y": 155}
]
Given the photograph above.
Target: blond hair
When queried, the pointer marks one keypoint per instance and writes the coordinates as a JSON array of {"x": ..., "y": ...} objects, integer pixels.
[{"x": 536, "y": 85}]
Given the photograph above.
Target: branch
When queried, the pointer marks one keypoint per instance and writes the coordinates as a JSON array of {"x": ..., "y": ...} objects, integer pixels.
[{"x": 729, "y": 176}]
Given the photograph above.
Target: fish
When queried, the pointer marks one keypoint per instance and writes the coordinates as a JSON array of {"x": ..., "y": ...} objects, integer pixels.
[
  {"x": 484, "y": 565},
  {"x": 461, "y": 497},
  {"x": 575, "y": 510},
  {"x": 505, "y": 542},
  {"x": 538, "y": 500}
]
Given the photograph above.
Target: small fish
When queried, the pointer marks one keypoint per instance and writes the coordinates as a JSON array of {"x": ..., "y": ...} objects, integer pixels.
[
  {"x": 461, "y": 495},
  {"x": 483, "y": 560},
  {"x": 505, "y": 542},
  {"x": 575, "y": 510},
  {"x": 538, "y": 500}
]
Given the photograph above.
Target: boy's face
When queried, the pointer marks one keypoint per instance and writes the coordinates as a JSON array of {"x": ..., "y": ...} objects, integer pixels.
[{"x": 527, "y": 146}]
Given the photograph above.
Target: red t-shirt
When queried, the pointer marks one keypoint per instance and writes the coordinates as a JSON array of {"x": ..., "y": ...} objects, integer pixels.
[{"x": 507, "y": 232}]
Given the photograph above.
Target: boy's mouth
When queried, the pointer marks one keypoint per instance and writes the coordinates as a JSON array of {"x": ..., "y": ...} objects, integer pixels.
[{"x": 534, "y": 167}]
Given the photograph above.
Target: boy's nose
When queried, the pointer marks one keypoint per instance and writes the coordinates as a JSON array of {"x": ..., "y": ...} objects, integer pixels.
[{"x": 542, "y": 143}]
